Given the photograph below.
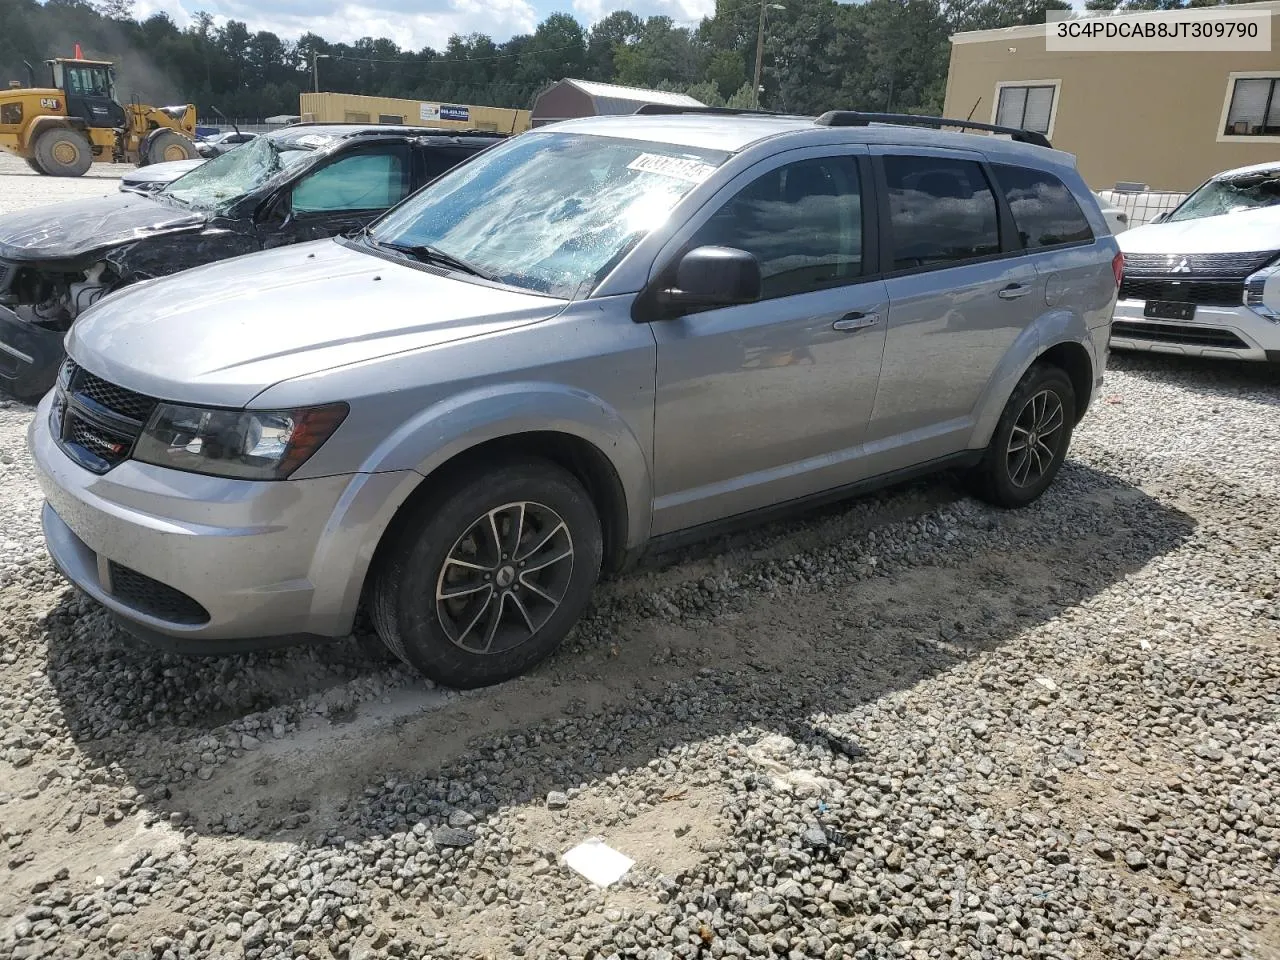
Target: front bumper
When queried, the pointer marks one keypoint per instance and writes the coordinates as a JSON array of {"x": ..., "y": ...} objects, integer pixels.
[
  {"x": 1230, "y": 333},
  {"x": 254, "y": 563},
  {"x": 29, "y": 356}
]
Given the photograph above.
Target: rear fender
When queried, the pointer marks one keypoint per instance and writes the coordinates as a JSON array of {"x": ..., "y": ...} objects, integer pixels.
[
  {"x": 444, "y": 430},
  {"x": 1049, "y": 330}
]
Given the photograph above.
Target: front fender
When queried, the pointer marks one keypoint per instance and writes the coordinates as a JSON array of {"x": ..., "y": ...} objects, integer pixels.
[
  {"x": 458, "y": 423},
  {"x": 1049, "y": 329},
  {"x": 50, "y": 122}
]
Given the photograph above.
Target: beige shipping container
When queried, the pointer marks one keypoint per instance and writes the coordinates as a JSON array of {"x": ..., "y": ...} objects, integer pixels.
[
  {"x": 1169, "y": 120},
  {"x": 351, "y": 108}
]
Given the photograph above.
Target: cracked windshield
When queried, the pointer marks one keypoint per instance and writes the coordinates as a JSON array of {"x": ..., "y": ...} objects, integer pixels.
[
  {"x": 1231, "y": 195},
  {"x": 214, "y": 184},
  {"x": 550, "y": 212}
]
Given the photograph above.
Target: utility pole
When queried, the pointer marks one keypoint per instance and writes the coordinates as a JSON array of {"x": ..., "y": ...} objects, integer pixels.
[
  {"x": 315, "y": 68},
  {"x": 755, "y": 87}
]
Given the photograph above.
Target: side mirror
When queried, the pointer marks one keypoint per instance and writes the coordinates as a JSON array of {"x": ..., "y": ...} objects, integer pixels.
[{"x": 714, "y": 277}]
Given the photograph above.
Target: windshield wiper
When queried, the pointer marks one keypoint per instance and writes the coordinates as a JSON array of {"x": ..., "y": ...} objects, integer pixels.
[{"x": 427, "y": 254}]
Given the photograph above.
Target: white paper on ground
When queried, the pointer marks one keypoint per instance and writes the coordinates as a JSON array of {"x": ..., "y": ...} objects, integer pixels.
[{"x": 598, "y": 862}]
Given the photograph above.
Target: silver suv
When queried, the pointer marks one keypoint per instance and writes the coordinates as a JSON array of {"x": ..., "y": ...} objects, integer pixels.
[{"x": 585, "y": 342}]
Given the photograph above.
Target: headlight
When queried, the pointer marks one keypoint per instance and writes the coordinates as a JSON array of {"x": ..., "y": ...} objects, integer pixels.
[
  {"x": 1262, "y": 292},
  {"x": 243, "y": 444}
]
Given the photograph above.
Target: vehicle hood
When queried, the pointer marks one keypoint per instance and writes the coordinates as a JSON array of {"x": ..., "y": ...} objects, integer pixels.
[
  {"x": 69, "y": 231},
  {"x": 223, "y": 333},
  {"x": 171, "y": 170},
  {"x": 1244, "y": 232}
]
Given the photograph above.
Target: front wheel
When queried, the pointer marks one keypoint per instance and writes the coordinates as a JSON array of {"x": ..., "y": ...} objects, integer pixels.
[
  {"x": 1030, "y": 441},
  {"x": 485, "y": 578},
  {"x": 167, "y": 146}
]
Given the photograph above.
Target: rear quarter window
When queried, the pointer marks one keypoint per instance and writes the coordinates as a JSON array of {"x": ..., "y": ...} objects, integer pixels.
[{"x": 1044, "y": 210}]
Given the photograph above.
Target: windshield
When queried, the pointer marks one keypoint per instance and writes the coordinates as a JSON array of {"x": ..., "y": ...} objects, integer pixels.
[
  {"x": 216, "y": 183},
  {"x": 551, "y": 212},
  {"x": 1231, "y": 195}
]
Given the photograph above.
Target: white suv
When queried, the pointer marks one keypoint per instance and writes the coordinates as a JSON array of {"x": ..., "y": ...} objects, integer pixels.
[{"x": 1196, "y": 281}]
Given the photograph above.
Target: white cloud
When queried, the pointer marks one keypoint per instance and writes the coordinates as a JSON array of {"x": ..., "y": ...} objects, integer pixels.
[
  {"x": 342, "y": 21},
  {"x": 683, "y": 12}
]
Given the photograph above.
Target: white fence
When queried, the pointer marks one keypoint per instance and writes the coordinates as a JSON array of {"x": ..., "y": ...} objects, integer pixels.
[
  {"x": 228, "y": 126},
  {"x": 1142, "y": 206}
]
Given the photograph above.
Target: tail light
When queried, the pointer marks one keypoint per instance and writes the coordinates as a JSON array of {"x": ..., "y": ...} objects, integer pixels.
[{"x": 1117, "y": 267}]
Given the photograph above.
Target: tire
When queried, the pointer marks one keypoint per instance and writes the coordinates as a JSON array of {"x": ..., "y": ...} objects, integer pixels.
[
  {"x": 167, "y": 145},
  {"x": 1004, "y": 477},
  {"x": 62, "y": 152},
  {"x": 33, "y": 164},
  {"x": 447, "y": 546}
]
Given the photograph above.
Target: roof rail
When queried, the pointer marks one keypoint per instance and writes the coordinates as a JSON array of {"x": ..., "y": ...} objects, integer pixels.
[
  {"x": 853, "y": 118},
  {"x": 652, "y": 109}
]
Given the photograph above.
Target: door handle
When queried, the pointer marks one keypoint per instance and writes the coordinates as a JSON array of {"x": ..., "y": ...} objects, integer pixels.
[
  {"x": 856, "y": 321},
  {"x": 1014, "y": 290}
]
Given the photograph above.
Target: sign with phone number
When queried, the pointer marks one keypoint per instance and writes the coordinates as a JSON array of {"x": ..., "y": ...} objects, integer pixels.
[{"x": 440, "y": 111}]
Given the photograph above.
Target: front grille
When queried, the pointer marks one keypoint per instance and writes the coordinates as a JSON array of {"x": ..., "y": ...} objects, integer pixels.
[
  {"x": 1218, "y": 266},
  {"x": 1220, "y": 293},
  {"x": 108, "y": 446},
  {"x": 154, "y": 598},
  {"x": 118, "y": 400},
  {"x": 1178, "y": 333},
  {"x": 97, "y": 422}
]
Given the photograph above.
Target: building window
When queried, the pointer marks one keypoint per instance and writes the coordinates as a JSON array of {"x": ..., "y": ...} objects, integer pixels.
[
  {"x": 390, "y": 118},
  {"x": 1254, "y": 107},
  {"x": 1027, "y": 106}
]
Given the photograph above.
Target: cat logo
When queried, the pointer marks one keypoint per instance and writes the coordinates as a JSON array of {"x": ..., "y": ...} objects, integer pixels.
[{"x": 50, "y": 103}]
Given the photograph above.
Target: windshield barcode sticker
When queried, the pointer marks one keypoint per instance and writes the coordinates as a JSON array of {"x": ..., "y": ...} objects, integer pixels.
[{"x": 681, "y": 168}]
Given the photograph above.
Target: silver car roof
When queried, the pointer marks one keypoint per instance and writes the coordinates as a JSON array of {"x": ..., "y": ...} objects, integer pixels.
[{"x": 734, "y": 133}]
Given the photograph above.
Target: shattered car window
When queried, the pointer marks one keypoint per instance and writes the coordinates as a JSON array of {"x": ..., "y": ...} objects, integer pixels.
[
  {"x": 1231, "y": 195},
  {"x": 551, "y": 212},
  {"x": 223, "y": 179}
]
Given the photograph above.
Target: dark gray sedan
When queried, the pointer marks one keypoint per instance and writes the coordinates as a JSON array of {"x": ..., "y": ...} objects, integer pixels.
[{"x": 303, "y": 182}]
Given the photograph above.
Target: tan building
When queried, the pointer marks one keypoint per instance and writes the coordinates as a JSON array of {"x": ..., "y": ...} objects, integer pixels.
[
  {"x": 1169, "y": 120},
  {"x": 350, "y": 108}
]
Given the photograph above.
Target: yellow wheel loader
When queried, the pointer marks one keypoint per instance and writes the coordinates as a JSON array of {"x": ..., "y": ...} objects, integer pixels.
[{"x": 62, "y": 128}]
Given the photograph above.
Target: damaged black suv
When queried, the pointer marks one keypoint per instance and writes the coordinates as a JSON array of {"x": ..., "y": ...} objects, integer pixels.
[{"x": 303, "y": 182}]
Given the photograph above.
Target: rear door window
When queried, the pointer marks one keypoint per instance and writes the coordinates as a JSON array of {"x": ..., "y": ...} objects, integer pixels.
[
  {"x": 438, "y": 160},
  {"x": 941, "y": 212},
  {"x": 1044, "y": 210}
]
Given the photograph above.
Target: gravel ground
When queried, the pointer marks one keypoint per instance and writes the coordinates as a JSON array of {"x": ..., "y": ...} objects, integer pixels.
[{"x": 911, "y": 726}]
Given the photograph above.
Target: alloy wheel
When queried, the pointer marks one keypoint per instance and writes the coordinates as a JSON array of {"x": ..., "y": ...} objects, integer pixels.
[
  {"x": 1034, "y": 441},
  {"x": 505, "y": 577}
]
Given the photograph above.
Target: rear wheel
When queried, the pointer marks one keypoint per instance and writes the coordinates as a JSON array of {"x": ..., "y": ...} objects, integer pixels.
[
  {"x": 1030, "y": 441},
  {"x": 168, "y": 146},
  {"x": 485, "y": 579},
  {"x": 31, "y": 162},
  {"x": 62, "y": 152}
]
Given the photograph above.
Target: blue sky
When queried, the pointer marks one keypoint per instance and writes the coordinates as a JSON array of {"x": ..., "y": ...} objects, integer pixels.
[{"x": 411, "y": 23}]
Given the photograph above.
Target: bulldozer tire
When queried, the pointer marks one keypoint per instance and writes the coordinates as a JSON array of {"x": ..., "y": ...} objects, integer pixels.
[
  {"x": 62, "y": 152},
  {"x": 167, "y": 146},
  {"x": 31, "y": 162}
]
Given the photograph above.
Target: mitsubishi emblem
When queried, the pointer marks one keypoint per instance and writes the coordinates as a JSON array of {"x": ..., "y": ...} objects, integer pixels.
[{"x": 1181, "y": 267}]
